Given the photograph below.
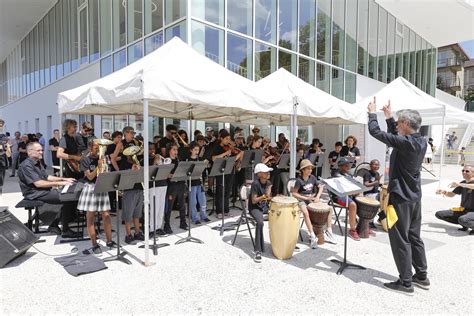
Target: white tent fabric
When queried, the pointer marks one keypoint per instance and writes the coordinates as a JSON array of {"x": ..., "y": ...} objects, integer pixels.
[
  {"x": 312, "y": 102},
  {"x": 402, "y": 95}
]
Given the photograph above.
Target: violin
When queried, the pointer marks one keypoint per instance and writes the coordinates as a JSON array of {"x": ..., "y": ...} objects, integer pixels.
[{"x": 233, "y": 150}]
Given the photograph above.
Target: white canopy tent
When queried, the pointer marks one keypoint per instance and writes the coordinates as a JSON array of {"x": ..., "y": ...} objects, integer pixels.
[
  {"x": 308, "y": 101},
  {"x": 177, "y": 82},
  {"x": 404, "y": 95}
]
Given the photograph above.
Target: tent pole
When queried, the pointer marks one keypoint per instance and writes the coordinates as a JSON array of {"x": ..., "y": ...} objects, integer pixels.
[
  {"x": 293, "y": 131},
  {"x": 146, "y": 188},
  {"x": 441, "y": 158},
  {"x": 61, "y": 133}
]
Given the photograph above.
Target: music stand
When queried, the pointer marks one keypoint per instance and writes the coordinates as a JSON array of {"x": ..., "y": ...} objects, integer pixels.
[
  {"x": 192, "y": 170},
  {"x": 109, "y": 182},
  {"x": 248, "y": 160},
  {"x": 284, "y": 162},
  {"x": 345, "y": 186},
  {"x": 157, "y": 173},
  {"x": 223, "y": 167}
]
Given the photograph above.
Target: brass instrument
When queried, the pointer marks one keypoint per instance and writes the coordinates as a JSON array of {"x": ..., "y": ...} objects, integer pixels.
[
  {"x": 182, "y": 141},
  {"x": 103, "y": 143},
  {"x": 132, "y": 152},
  {"x": 165, "y": 161}
]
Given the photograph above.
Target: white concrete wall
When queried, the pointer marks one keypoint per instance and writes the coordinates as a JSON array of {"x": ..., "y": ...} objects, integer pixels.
[{"x": 23, "y": 114}]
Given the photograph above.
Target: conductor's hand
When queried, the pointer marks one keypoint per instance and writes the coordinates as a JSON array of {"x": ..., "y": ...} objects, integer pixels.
[
  {"x": 372, "y": 107},
  {"x": 454, "y": 185},
  {"x": 387, "y": 110}
]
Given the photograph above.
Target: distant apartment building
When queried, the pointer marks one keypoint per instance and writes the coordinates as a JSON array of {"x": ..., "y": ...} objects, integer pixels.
[
  {"x": 450, "y": 78},
  {"x": 469, "y": 82}
]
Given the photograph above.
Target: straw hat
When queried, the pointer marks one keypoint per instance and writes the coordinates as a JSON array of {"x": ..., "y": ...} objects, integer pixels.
[{"x": 305, "y": 163}]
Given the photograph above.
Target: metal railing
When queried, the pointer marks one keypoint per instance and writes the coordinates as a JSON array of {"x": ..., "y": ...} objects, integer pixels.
[
  {"x": 448, "y": 83},
  {"x": 448, "y": 62}
]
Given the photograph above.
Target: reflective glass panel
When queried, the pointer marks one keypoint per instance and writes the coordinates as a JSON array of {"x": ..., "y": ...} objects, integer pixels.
[
  {"x": 288, "y": 24},
  {"x": 265, "y": 20},
  {"x": 287, "y": 60},
  {"x": 209, "y": 10},
  {"x": 351, "y": 35},
  {"x": 120, "y": 60},
  {"x": 106, "y": 66},
  {"x": 382, "y": 49},
  {"x": 307, "y": 27},
  {"x": 134, "y": 20},
  {"x": 135, "y": 52},
  {"x": 323, "y": 77},
  {"x": 153, "y": 42},
  {"x": 118, "y": 24},
  {"x": 306, "y": 70},
  {"x": 153, "y": 15},
  {"x": 174, "y": 10},
  {"x": 93, "y": 30},
  {"x": 338, "y": 7},
  {"x": 239, "y": 55},
  {"x": 178, "y": 30},
  {"x": 208, "y": 41},
  {"x": 324, "y": 30},
  {"x": 373, "y": 39},
  {"x": 265, "y": 60},
  {"x": 239, "y": 16},
  {"x": 363, "y": 9},
  {"x": 105, "y": 27}
]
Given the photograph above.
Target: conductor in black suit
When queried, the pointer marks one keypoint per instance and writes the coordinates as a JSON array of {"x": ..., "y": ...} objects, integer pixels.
[{"x": 404, "y": 186}]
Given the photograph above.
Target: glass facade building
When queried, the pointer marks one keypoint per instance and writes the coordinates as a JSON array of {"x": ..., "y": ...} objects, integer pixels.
[{"x": 324, "y": 42}]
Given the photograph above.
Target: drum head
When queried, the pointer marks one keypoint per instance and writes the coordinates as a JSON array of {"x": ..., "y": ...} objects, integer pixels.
[
  {"x": 318, "y": 207},
  {"x": 284, "y": 200},
  {"x": 367, "y": 201}
]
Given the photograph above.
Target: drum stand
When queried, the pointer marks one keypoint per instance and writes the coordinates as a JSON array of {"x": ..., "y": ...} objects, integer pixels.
[{"x": 344, "y": 264}]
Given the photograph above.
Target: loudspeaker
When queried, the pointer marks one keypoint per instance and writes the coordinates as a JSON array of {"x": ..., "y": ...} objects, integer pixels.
[{"x": 15, "y": 237}]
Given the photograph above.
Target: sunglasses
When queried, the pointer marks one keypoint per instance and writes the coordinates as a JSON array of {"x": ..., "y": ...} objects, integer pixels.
[{"x": 466, "y": 171}]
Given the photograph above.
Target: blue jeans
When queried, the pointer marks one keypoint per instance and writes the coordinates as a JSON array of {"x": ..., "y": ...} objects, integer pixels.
[{"x": 197, "y": 195}]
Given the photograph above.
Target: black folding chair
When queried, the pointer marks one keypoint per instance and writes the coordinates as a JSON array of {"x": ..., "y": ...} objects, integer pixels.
[{"x": 337, "y": 208}]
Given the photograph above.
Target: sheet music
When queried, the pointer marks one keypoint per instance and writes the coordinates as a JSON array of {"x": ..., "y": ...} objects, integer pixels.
[
  {"x": 65, "y": 188},
  {"x": 341, "y": 184}
]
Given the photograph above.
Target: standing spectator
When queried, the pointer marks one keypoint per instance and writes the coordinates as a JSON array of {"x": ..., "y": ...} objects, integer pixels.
[
  {"x": 53, "y": 147},
  {"x": 15, "y": 154},
  {"x": 22, "y": 148},
  {"x": 451, "y": 140},
  {"x": 462, "y": 157}
]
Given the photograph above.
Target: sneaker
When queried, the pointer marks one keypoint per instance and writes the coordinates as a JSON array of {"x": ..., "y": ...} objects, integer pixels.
[
  {"x": 139, "y": 236},
  {"x": 397, "y": 286},
  {"x": 183, "y": 226},
  {"x": 93, "y": 250},
  {"x": 329, "y": 237},
  {"x": 160, "y": 232},
  {"x": 54, "y": 229},
  {"x": 313, "y": 243},
  {"x": 372, "y": 232},
  {"x": 129, "y": 240},
  {"x": 258, "y": 257},
  {"x": 197, "y": 222},
  {"x": 354, "y": 235},
  {"x": 111, "y": 244},
  {"x": 421, "y": 283},
  {"x": 206, "y": 220},
  {"x": 463, "y": 229},
  {"x": 168, "y": 230}
]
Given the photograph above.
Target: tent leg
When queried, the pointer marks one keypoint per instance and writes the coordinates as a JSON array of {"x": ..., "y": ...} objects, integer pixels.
[
  {"x": 293, "y": 135},
  {"x": 146, "y": 189},
  {"x": 441, "y": 158}
]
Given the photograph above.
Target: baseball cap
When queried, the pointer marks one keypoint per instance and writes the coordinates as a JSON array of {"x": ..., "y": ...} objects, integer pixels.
[
  {"x": 343, "y": 161},
  {"x": 262, "y": 168},
  {"x": 209, "y": 129},
  {"x": 273, "y": 144}
]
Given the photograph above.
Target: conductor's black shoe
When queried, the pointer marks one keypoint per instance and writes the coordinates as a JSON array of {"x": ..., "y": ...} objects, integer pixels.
[
  {"x": 54, "y": 229},
  {"x": 71, "y": 234},
  {"x": 421, "y": 283},
  {"x": 129, "y": 240},
  {"x": 258, "y": 257},
  {"x": 463, "y": 229},
  {"x": 111, "y": 244},
  {"x": 183, "y": 226},
  {"x": 168, "y": 230},
  {"x": 160, "y": 232},
  {"x": 397, "y": 286}
]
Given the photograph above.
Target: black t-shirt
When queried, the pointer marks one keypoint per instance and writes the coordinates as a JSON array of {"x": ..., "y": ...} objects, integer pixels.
[
  {"x": 354, "y": 150},
  {"x": 126, "y": 162},
  {"x": 164, "y": 143},
  {"x": 218, "y": 150},
  {"x": 467, "y": 197},
  {"x": 22, "y": 155},
  {"x": 307, "y": 187},
  {"x": 89, "y": 163},
  {"x": 29, "y": 172},
  {"x": 73, "y": 145},
  {"x": 333, "y": 156},
  {"x": 54, "y": 142},
  {"x": 371, "y": 177},
  {"x": 259, "y": 189}
]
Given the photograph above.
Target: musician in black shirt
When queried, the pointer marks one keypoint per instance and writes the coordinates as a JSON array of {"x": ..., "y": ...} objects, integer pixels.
[
  {"x": 70, "y": 148},
  {"x": 333, "y": 157},
  {"x": 170, "y": 138}
]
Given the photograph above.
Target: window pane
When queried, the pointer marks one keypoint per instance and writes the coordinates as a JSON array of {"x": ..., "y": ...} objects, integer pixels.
[
  {"x": 120, "y": 121},
  {"x": 382, "y": 49},
  {"x": 351, "y": 35},
  {"x": 337, "y": 83},
  {"x": 178, "y": 30},
  {"x": 208, "y": 41},
  {"x": 135, "y": 52},
  {"x": 174, "y": 10},
  {"x": 106, "y": 66},
  {"x": 52, "y": 44},
  {"x": 106, "y": 124},
  {"x": 324, "y": 30},
  {"x": 153, "y": 42},
  {"x": 287, "y": 61},
  {"x": 83, "y": 46},
  {"x": 47, "y": 55},
  {"x": 36, "y": 51},
  {"x": 412, "y": 57},
  {"x": 134, "y": 20},
  {"x": 59, "y": 41},
  {"x": 265, "y": 60},
  {"x": 118, "y": 26},
  {"x": 338, "y": 7},
  {"x": 209, "y": 10},
  {"x": 239, "y": 55},
  {"x": 74, "y": 35},
  {"x": 105, "y": 27},
  {"x": 373, "y": 39},
  {"x": 288, "y": 21},
  {"x": 41, "y": 53},
  {"x": 93, "y": 30},
  {"x": 23, "y": 67},
  {"x": 265, "y": 20},
  {"x": 406, "y": 52},
  {"x": 307, "y": 27},
  {"x": 153, "y": 15},
  {"x": 322, "y": 77},
  {"x": 239, "y": 16},
  {"x": 119, "y": 60},
  {"x": 390, "y": 49},
  {"x": 306, "y": 70},
  {"x": 350, "y": 87},
  {"x": 419, "y": 62},
  {"x": 136, "y": 121},
  {"x": 363, "y": 10}
]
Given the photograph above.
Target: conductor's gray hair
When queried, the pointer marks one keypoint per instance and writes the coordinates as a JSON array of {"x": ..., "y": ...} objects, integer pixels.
[{"x": 412, "y": 117}]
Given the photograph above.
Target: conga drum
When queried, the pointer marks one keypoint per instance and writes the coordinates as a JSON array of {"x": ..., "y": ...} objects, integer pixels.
[
  {"x": 367, "y": 208},
  {"x": 283, "y": 219},
  {"x": 318, "y": 214}
]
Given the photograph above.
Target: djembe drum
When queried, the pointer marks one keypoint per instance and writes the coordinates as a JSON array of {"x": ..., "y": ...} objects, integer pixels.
[
  {"x": 283, "y": 219},
  {"x": 318, "y": 214},
  {"x": 367, "y": 208}
]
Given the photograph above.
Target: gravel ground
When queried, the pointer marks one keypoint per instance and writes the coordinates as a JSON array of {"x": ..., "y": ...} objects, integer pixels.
[{"x": 218, "y": 278}]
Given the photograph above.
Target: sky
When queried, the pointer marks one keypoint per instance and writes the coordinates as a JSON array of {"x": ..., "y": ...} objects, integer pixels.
[{"x": 468, "y": 47}]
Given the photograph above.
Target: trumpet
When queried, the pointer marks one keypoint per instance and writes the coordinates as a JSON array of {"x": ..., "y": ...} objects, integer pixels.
[
  {"x": 182, "y": 141},
  {"x": 103, "y": 143}
]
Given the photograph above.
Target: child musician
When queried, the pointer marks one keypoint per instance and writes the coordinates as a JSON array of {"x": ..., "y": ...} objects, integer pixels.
[
  {"x": 308, "y": 190},
  {"x": 91, "y": 202},
  {"x": 197, "y": 190},
  {"x": 175, "y": 192},
  {"x": 260, "y": 194}
]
